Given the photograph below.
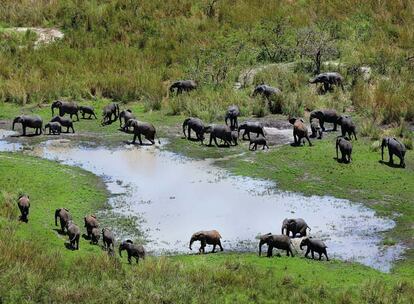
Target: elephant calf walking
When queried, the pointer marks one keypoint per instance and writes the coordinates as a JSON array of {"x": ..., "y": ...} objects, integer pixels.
[
  {"x": 211, "y": 237},
  {"x": 108, "y": 239},
  {"x": 346, "y": 149},
  {"x": 300, "y": 131},
  {"x": 64, "y": 217},
  {"x": 136, "y": 251},
  {"x": 394, "y": 148},
  {"x": 143, "y": 128},
  {"x": 73, "y": 234},
  {"x": 314, "y": 246},
  {"x": 23, "y": 203},
  {"x": 275, "y": 241}
]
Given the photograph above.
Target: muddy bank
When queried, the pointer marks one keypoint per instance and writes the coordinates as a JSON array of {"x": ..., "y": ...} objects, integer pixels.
[{"x": 176, "y": 196}]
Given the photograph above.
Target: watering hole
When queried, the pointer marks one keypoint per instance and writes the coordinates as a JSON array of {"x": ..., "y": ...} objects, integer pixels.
[{"x": 176, "y": 196}]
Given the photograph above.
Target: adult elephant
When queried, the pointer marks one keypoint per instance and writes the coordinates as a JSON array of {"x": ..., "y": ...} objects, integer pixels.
[
  {"x": 65, "y": 107},
  {"x": 314, "y": 246},
  {"x": 251, "y": 127},
  {"x": 108, "y": 111},
  {"x": 222, "y": 132},
  {"x": 90, "y": 223},
  {"x": 266, "y": 91},
  {"x": 394, "y": 148},
  {"x": 23, "y": 202},
  {"x": 64, "y": 122},
  {"x": 108, "y": 239},
  {"x": 183, "y": 86},
  {"x": 195, "y": 124},
  {"x": 231, "y": 115},
  {"x": 210, "y": 237},
  {"x": 347, "y": 126},
  {"x": 328, "y": 79},
  {"x": 330, "y": 116},
  {"x": 64, "y": 217},
  {"x": 29, "y": 121},
  {"x": 295, "y": 226},
  {"x": 345, "y": 146},
  {"x": 282, "y": 242},
  {"x": 73, "y": 234},
  {"x": 125, "y": 115},
  {"x": 300, "y": 131},
  {"x": 134, "y": 251},
  {"x": 143, "y": 128}
]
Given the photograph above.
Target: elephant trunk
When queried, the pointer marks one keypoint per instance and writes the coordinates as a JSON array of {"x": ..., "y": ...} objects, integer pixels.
[
  {"x": 14, "y": 122},
  {"x": 382, "y": 149},
  {"x": 56, "y": 216},
  {"x": 283, "y": 229},
  {"x": 337, "y": 144},
  {"x": 260, "y": 247},
  {"x": 191, "y": 243},
  {"x": 185, "y": 123},
  {"x": 120, "y": 252}
]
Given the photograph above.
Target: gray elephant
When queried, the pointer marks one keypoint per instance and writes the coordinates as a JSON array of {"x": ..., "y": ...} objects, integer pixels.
[
  {"x": 314, "y": 246},
  {"x": 251, "y": 127},
  {"x": 23, "y": 202},
  {"x": 316, "y": 129},
  {"x": 108, "y": 111},
  {"x": 282, "y": 242},
  {"x": 196, "y": 125},
  {"x": 34, "y": 122},
  {"x": 95, "y": 236},
  {"x": 210, "y": 237},
  {"x": 345, "y": 146},
  {"x": 108, "y": 239},
  {"x": 222, "y": 132},
  {"x": 330, "y": 116},
  {"x": 125, "y": 115},
  {"x": 64, "y": 217},
  {"x": 143, "y": 128},
  {"x": 55, "y": 128},
  {"x": 328, "y": 80},
  {"x": 266, "y": 91},
  {"x": 64, "y": 122},
  {"x": 347, "y": 126},
  {"x": 300, "y": 131},
  {"x": 90, "y": 223},
  {"x": 65, "y": 107},
  {"x": 231, "y": 115},
  {"x": 73, "y": 234},
  {"x": 87, "y": 110},
  {"x": 183, "y": 86},
  {"x": 295, "y": 226},
  {"x": 394, "y": 148},
  {"x": 136, "y": 251},
  {"x": 254, "y": 142}
]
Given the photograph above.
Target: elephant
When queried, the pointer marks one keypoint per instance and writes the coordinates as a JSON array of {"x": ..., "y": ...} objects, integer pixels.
[
  {"x": 143, "y": 128},
  {"x": 64, "y": 217},
  {"x": 210, "y": 237},
  {"x": 251, "y": 127},
  {"x": 330, "y": 116},
  {"x": 95, "y": 235},
  {"x": 90, "y": 223},
  {"x": 258, "y": 141},
  {"x": 108, "y": 111},
  {"x": 316, "y": 129},
  {"x": 346, "y": 149},
  {"x": 266, "y": 91},
  {"x": 300, "y": 131},
  {"x": 328, "y": 79},
  {"x": 87, "y": 110},
  {"x": 295, "y": 226},
  {"x": 108, "y": 239},
  {"x": 196, "y": 125},
  {"x": 232, "y": 113},
  {"x": 125, "y": 115},
  {"x": 23, "y": 203},
  {"x": 34, "y": 122},
  {"x": 314, "y": 246},
  {"x": 394, "y": 148},
  {"x": 64, "y": 122},
  {"x": 73, "y": 234},
  {"x": 222, "y": 132},
  {"x": 54, "y": 127},
  {"x": 65, "y": 107},
  {"x": 136, "y": 251},
  {"x": 347, "y": 126},
  {"x": 183, "y": 86},
  {"x": 282, "y": 242}
]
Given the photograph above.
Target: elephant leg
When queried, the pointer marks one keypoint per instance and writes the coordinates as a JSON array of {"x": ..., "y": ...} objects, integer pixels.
[
  {"x": 326, "y": 254},
  {"x": 129, "y": 258},
  {"x": 244, "y": 135},
  {"x": 335, "y": 125},
  {"x": 139, "y": 138},
  {"x": 320, "y": 255},
  {"x": 321, "y": 124},
  {"x": 189, "y": 133},
  {"x": 288, "y": 252},
  {"x": 248, "y": 135},
  {"x": 215, "y": 141},
  {"x": 307, "y": 137},
  {"x": 24, "y": 130},
  {"x": 258, "y": 133},
  {"x": 291, "y": 252},
  {"x": 391, "y": 156},
  {"x": 214, "y": 248},
  {"x": 313, "y": 255},
  {"x": 269, "y": 251},
  {"x": 221, "y": 247},
  {"x": 211, "y": 139}
]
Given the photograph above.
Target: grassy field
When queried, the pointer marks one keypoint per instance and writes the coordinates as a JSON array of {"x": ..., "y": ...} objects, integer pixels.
[{"x": 36, "y": 266}]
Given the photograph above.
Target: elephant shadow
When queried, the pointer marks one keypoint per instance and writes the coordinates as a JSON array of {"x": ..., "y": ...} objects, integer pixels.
[
  {"x": 27, "y": 135},
  {"x": 59, "y": 231},
  {"x": 69, "y": 247},
  {"x": 191, "y": 139},
  {"x": 218, "y": 146},
  {"x": 86, "y": 237},
  {"x": 297, "y": 144},
  {"x": 138, "y": 144},
  {"x": 24, "y": 220},
  {"x": 341, "y": 161},
  {"x": 391, "y": 165},
  {"x": 127, "y": 131}
]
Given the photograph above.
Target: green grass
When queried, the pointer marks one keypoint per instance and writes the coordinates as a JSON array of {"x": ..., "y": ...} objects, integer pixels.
[{"x": 36, "y": 267}]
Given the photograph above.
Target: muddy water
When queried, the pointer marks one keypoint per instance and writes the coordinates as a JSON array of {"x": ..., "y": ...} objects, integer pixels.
[{"x": 177, "y": 196}]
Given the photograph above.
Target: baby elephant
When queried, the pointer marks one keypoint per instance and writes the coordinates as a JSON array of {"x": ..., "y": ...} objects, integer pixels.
[
  {"x": 314, "y": 246},
  {"x": 65, "y": 122},
  {"x": 394, "y": 148},
  {"x": 275, "y": 241},
  {"x": 74, "y": 235},
  {"x": 90, "y": 223},
  {"x": 95, "y": 235},
  {"x": 87, "y": 110},
  {"x": 54, "y": 127},
  {"x": 108, "y": 239},
  {"x": 64, "y": 217},
  {"x": 300, "y": 131},
  {"x": 136, "y": 251},
  {"x": 24, "y": 204},
  {"x": 142, "y": 128},
  {"x": 346, "y": 149},
  {"x": 258, "y": 141},
  {"x": 211, "y": 237},
  {"x": 347, "y": 126},
  {"x": 316, "y": 129}
]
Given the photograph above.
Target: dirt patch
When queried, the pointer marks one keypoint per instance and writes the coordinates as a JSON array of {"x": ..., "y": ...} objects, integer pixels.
[{"x": 44, "y": 35}]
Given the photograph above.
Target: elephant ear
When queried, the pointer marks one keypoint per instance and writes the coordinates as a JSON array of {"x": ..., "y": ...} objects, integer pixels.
[
  {"x": 129, "y": 241},
  {"x": 292, "y": 120},
  {"x": 66, "y": 209}
]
